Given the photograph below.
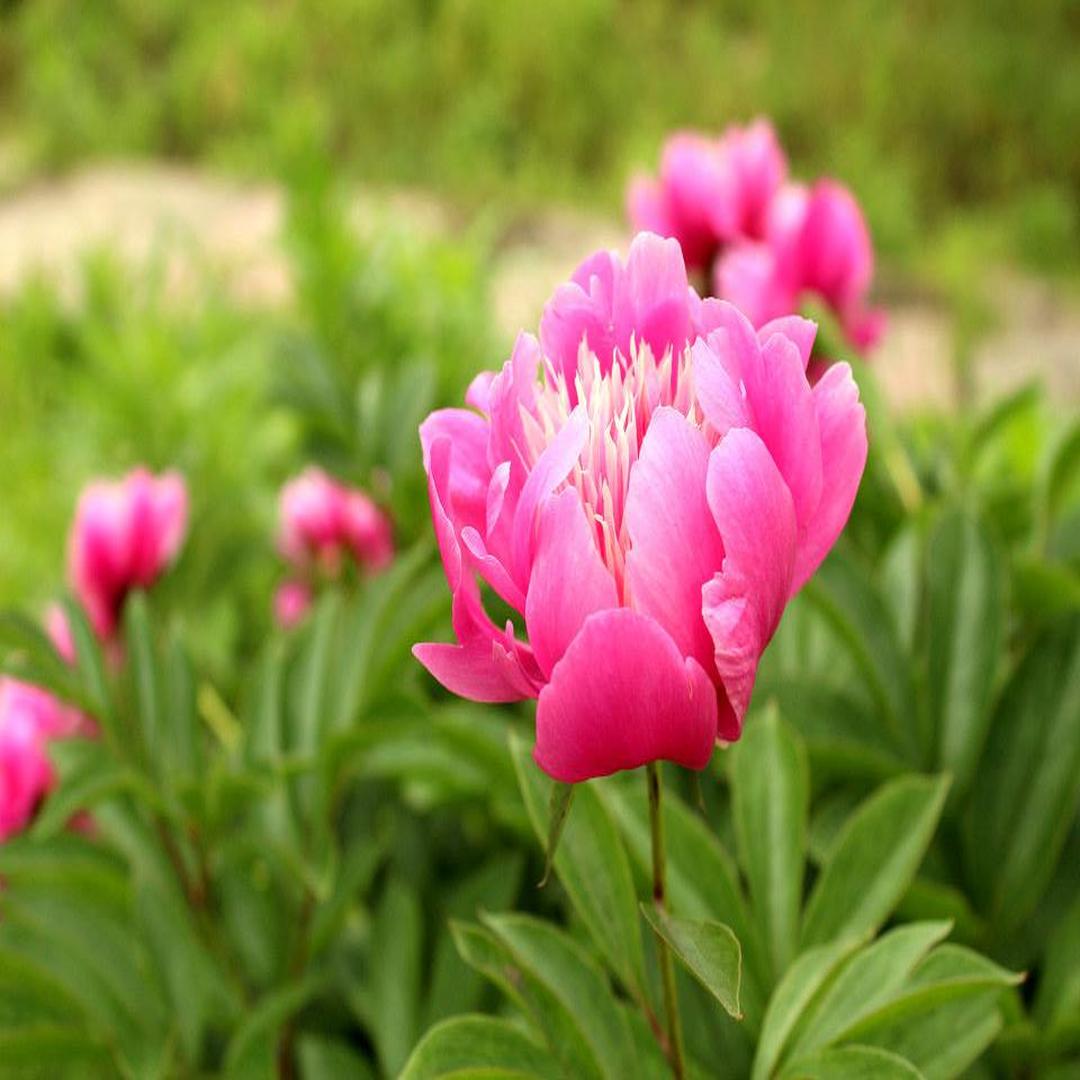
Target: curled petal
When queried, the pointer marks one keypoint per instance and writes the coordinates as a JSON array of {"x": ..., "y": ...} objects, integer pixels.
[
  {"x": 842, "y": 423},
  {"x": 742, "y": 604}
]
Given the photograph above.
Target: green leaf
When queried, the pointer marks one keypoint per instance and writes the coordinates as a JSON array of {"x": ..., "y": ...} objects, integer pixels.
[
  {"x": 966, "y": 624},
  {"x": 770, "y": 789},
  {"x": 708, "y": 950},
  {"x": 471, "y": 1047},
  {"x": 842, "y": 591},
  {"x": 1027, "y": 789},
  {"x": 946, "y": 1015},
  {"x": 845, "y": 736},
  {"x": 89, "y": 775},
  {"x": 1058, "y": 999},
  {"x": 557, "y": 986},
  {"x": 252, "y": 1050},
  {"x": 796, "y": 990},
  {"x": 562, "y": 795},
  {"x": 874, "y": 860},
  {"x": 91, "y": 665},
  {"x": 454, "y": 986},
  {"x": 26, "y": 653},
  {"x": 869, "y": 978},
  {"x": 51, "y": 1049},
  {"x": 315, "y": 675},
  {"x": 397, "y": 946},
  {"x": 143, "y": 663},
  {"x": 593, "y": 869},
  {"x": 324, "y": 1058},
  {"x": 852, "y": 1063},
  {"x": 702, "y": 881},
  {"x": 185, "y": 742}
]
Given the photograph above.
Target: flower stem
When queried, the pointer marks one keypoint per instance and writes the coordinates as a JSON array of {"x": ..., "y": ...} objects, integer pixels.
[{"x": 667, "y": 964}]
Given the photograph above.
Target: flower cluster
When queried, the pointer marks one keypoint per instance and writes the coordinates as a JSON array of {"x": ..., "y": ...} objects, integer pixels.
[
  {"x": 124, "y": 536},
  {"x": 765, "y": 243},
  {"x": 323, "y": 526},
  {"x": 646, "y": 484}
]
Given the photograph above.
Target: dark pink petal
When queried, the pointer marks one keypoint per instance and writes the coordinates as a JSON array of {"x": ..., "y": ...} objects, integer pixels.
[
  {"x": 569, "y": 579},
  {"x": 842, "y": 422},
  {"x": 480, "y": 671},
  {"x": 742, "y": 604},
  {"x": 675, "y": 545},
  {"x": 622, "y": 696}
]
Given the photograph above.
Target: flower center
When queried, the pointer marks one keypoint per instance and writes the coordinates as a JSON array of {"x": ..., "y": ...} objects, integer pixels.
[{"x": 619, "y": 406}]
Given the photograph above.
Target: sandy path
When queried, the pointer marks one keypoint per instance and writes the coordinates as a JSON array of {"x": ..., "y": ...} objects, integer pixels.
[{"x": 139, "y": 211}]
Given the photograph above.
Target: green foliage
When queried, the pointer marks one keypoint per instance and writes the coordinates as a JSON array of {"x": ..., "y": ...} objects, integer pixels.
[
  {"x": 844, "y": 1003},
  {"x": 484, "y": 98}
]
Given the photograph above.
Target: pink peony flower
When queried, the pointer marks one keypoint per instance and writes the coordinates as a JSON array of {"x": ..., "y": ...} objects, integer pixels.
[
  {"x": 125, "y": 534},
  {"x": 646, "y": 485},
  {"x": 710, "y": 192},
  {"x": 292, "y": 601},
  {"x": 816, "y": 243},
  {"x": 29, "y": 718},
  {"x": 322, "y": 520}
]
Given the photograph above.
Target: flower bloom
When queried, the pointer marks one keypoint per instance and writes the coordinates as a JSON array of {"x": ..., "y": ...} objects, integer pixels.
[
  {"x": 816, "y": 244},
  {"x": 710, "y": 192},
  {"x": 323, "y": 521},
  {"x": 125, "y": 534},
  {"x": 646, "y": 485},
  {"x": 29, "y": 718}
]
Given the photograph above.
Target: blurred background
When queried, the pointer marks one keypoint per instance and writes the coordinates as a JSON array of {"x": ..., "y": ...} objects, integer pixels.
[{"x": 211, "y": 210}]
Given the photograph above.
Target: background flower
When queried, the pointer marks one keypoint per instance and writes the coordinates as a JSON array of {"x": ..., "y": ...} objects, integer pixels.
[{"x": 125, "y": 534}]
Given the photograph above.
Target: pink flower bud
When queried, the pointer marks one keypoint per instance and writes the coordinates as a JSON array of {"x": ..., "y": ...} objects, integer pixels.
[
  {"x": 125, "y": 534},
  {"x": 323, "y": 522}
]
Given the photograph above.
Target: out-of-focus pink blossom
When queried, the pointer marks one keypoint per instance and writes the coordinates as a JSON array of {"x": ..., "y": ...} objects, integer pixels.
[
  {"x": 59, "y": 631},
  {"x": 29, "y": 719},
  {"x": 125, "y": 534},
  {"x": 323, "y": 521},
  {"x": 292, "y": 601},
  {"x": 816, "y": 244},
  {"x": 710, "y": 192},
  {"x": 646, "y": 485}
]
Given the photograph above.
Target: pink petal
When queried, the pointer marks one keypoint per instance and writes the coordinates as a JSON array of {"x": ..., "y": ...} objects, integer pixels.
[
  {"x": 569, "y": 579},
  {"x": 743, "y": 603},
  {"x": 551, "y": 469},
  {"x": 799, "y": 330},
  {"x": 842, "y": 422},
  {"x": 652, "y": 306},
  {"x": 675, "y": 545},
  {"x": 622, "y": 696}
]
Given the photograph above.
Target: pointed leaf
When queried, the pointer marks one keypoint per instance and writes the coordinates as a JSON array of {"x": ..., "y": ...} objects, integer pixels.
[
  {"x": 852, "y": 1063},
  {"x": 1027, "y": 789},
  {"x": 561, "y": 797},
  {"x": 592, "y": 867},
  {"x": 874, "y": 860},
  {"x": 479, "y": 1046},
  {"x": 770, "y": 803},
  {"x": 869, "y": 978},
  {"x": 708, "y": 950},
  {"x": 965, "y": 583},
  {"x": 796, "y": 990}
]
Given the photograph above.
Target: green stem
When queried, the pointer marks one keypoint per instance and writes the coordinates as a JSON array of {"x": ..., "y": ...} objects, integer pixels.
[{"x": 667, "y": 964}]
